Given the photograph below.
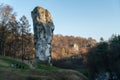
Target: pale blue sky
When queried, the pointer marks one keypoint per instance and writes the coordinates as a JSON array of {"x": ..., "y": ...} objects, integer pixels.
[{"x": 85, "y": 18}]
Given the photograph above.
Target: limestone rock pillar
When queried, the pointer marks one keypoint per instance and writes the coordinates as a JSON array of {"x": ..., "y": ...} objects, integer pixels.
[{"x": 43, "y": 32}]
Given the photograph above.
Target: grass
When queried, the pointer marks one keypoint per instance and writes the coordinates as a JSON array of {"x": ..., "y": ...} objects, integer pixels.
[
  {"x": 41, "y": 72},
  {"x": 7, "y": 62},
  {"x": 40, "y": 75},
  {"x": 45, "y": 67}
]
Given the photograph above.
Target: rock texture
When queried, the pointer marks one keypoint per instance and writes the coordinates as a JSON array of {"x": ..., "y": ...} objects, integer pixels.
[{"x": 43, "y": 33}]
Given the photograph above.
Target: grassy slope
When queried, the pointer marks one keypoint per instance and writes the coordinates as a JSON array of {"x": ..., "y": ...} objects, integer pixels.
[{"x": 41, "y": 72}]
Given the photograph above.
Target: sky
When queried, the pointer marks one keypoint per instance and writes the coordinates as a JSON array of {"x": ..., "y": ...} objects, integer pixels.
[{"x": 82, "y": 18}]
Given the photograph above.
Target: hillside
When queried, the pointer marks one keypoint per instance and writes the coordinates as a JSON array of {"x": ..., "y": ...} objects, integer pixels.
[
  {"x": 69, "y": 52},
  {"x": 68, "y": 46},
  {"x": 41, "y": 72}
]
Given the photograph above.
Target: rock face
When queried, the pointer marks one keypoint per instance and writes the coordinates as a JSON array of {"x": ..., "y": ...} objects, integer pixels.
[{"x": 43, "y": 33}]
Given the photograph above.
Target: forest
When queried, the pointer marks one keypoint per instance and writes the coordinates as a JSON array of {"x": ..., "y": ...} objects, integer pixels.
[{"x": 93, "y": 59}]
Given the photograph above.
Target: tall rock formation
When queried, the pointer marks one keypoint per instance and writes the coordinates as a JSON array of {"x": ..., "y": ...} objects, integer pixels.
[{"x": 43, "y": 33}]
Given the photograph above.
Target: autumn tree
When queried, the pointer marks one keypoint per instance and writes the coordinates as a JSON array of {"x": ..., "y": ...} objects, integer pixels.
[
  {"x": 15, "y": 36},
  {"x": 24, "y": 31},
  {"x": 6, "y": 13}
]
